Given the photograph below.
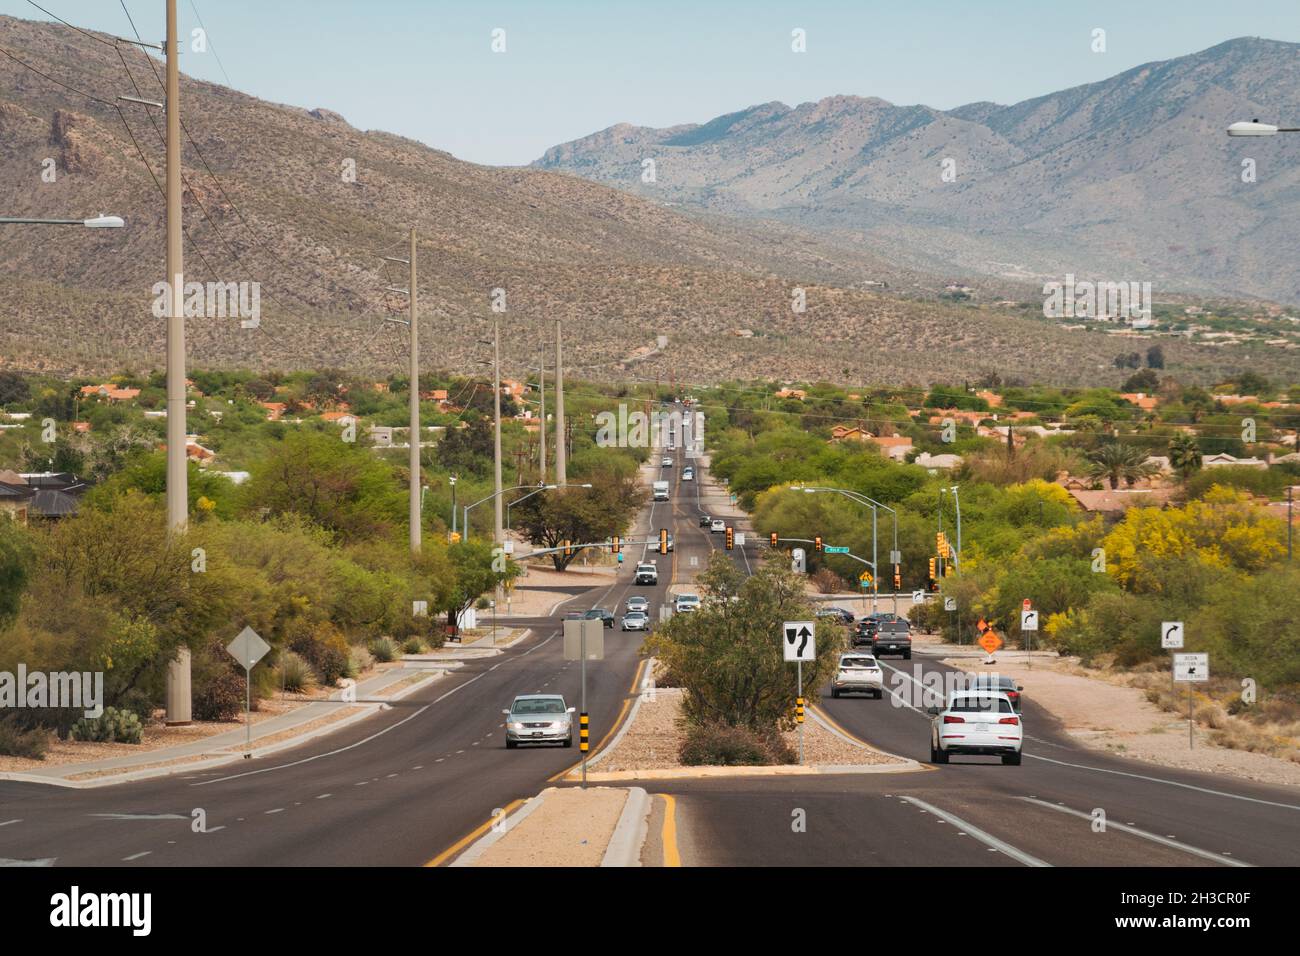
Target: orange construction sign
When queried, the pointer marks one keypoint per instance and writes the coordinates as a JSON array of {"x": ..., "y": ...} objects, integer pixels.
[{"x": 990, "y": 642}]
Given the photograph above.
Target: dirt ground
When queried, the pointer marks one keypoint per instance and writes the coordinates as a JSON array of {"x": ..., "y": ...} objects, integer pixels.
[
  {"x": 527, "y": 601},
  {"x": 1106, "y": 714},
  {"x": 572, "y": 827}
]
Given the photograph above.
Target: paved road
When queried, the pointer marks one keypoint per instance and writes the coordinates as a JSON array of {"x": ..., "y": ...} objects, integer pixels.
[
  {"x": 976, "y": 812},
  {"x": 399, "y": 788}
]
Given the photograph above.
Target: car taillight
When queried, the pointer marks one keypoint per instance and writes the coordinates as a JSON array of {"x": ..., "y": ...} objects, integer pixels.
[
  {"x": 1014, "y": 721},
  {"x": 949, "y": 719}
]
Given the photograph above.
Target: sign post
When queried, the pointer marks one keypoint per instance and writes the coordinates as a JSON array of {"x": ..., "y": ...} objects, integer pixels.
[
  {"x": 1191, "y": 669},
  {"x": 799, "y": 645},
  {"x": 1028, "y": 624},
  {"x": 584, "y": 639},
  {"x": 248, "y": 648},
  {"x": 950, "y": 604}
]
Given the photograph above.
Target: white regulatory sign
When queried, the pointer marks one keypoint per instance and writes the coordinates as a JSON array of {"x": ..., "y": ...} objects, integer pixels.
[
  {"x": 1029, "y": 620},
  {"x": 1171, "y": 634},
  {"x": 950, "y": 604},
  {"x": 1191, "y": 668},
  {"x": 918, "y": 597},
  {"x": 799, "y": 641}
]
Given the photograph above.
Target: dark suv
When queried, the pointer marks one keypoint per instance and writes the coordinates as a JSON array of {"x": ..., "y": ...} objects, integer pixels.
[
  {"x": 892, "y": 637},
  {"x": 601, "y": 614}
]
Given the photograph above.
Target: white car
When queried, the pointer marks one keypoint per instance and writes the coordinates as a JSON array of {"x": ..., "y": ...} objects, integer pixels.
[
  {"x": 636, "y": 621},
  {"x": 686, "y": 603},
  {"x": 858, "y": 674},
  {"x": 688, "y": 474},
  {"x": 667, "y": 463},
  {"x": 717, "y": 526},
  {"x": 638, "y": 602},
  {"x": 976, "y": 722}
]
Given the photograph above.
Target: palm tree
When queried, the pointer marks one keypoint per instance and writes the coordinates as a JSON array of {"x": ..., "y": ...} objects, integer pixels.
[
  {"x": 1184, "y": 455},
  {"x": 1118, "y": 462}
]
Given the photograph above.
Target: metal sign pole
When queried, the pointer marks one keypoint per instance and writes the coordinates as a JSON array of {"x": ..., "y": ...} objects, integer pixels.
[
  {"x": 799, "y": 665},
  {"x": 248, "y": 711},
  {"x": 583, "y": 718}
]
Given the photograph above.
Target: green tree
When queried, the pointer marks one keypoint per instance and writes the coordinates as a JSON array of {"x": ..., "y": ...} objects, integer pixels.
[
  {"x": 578, "y": 515},
  {"x": 1184, "y": 455},
  {"x": 1118, "y": 462}
]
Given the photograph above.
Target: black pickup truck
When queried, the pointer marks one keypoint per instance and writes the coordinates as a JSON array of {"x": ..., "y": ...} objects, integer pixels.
[{"x": 892, "y": 637}]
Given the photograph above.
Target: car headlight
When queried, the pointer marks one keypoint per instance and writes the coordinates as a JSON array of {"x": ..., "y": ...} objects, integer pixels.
[{"x": 515, "y": 725}]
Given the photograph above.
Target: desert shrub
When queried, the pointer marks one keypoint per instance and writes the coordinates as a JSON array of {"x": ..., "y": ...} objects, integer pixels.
[
  {"x": 296, "y": 675},
  {"x": 112, "y": 726},
  {"x": 413, "y": 645},
  {"x": 718, "y": 744},
  {"x": 827, "y": 581},
  {"x": 221, "y": 697},
  {"x": 384, "y": 650},
  {"x": 361, "y": 660},
  {"x": 19, "y": 741},
  {"x": 324, "y": 647}
]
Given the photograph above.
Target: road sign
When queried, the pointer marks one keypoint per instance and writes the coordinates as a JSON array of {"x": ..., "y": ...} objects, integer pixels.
[
  {"x": 1028, "y": 620},
  {"x": 895, "y": 557},
  {"x": 1171, "y": 634},
  {"x": 1025, "y": 605},
  {"x": 1191, "y": 668},
  {"x": 798, "y": 561},
  {"x": 918, "y": 597},
  {"x": 595, "y": 634},
  {"x": 740, "y": 539},
  {"x": 990, "y": 642},
  {"x": 950, "y": 604},
  {"x": 836, "y": 549},
  {"x": 248, "y": 648},
  {"x": 800, "y": 641}
]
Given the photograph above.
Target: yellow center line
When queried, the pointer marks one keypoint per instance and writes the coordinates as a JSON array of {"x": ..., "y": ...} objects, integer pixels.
[
  {"x": 618, "y": 722},
  {"x": 454, "y": 850},
  {"x": 672, "y": 857}
]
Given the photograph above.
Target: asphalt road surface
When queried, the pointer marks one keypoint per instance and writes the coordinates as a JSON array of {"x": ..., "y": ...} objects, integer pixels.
[{"x": 403, "y": 787}]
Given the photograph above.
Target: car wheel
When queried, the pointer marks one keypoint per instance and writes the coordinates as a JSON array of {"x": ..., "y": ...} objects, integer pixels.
[
  {"x": 907, "y": 656},
  {"x": 1011, "y": 760},
  {"x": 511, "y": 744},
  {"x": 879, "y": 694},
  {"x": 938, "y": 754},
  {"x": 835, "y": 693},
  {"x": 568, "y": 741}
]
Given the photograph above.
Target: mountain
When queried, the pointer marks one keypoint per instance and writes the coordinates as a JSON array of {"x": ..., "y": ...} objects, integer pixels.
[
  {"x": 267, "y": 201},
  {"x": 1130, "y": 178}
]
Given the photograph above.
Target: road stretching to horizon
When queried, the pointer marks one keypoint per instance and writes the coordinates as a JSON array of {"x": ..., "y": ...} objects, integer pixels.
[{"x": 414, "y": 784}]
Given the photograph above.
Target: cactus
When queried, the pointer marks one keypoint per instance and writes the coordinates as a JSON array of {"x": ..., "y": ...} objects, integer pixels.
[{"x": 113, "y": 726}]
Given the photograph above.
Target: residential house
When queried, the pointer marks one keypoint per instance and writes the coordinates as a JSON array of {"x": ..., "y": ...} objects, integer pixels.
[
  {"x": 1141, "y": 399},
  {"x": 894, "y": 446},
  {"x": 1224, "y": 460},
  {"x": 945, "y": 462},
  {"x": 111, "y": 392},
  {"x": 1116, "y": 502},
  {"x": 798, "y": 393}
]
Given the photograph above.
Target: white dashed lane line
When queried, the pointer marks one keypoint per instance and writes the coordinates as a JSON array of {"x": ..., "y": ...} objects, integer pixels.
[
  {"x": 135, "y": 856},
  {"x": 325, "y": 796}
]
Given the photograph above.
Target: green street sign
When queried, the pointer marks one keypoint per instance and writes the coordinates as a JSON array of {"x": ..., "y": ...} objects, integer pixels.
[{"x": 830, "y": 549}]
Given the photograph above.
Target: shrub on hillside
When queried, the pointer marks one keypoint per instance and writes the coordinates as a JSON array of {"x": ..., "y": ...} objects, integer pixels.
[
  {"x": 384, "y": 650},
  {"x": 324, "y": 647}
]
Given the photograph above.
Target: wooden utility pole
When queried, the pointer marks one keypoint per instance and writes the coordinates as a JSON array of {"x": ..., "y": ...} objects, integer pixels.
[
  {"x": 541, "y": 430},
  {"x": 496, "y": 400},
  {"x": 178, "y": 697}
]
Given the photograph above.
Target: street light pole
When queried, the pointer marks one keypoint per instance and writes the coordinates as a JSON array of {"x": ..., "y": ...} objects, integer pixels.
[
  {"x": 178, "y": 695},
  {"x": 414, "y": 457},
  {"x": 451, "y": 479},
  {"x": 561, "y": 456},
  {"x": 496, "y": 405}
]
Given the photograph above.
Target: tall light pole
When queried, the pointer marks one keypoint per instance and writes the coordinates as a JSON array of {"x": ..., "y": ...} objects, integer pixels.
[
  {"x": 873, "y": 504},
  {"x": 178, "y": 671},
  {"x": 451, "y": 479},
  {"x": 541, "y": 428},
  {"x": 561, "y": 453},
  {"x": 496, "y": 408},
  {"x": 414, "y": 459},
  {"x": 956, "y": 555}
]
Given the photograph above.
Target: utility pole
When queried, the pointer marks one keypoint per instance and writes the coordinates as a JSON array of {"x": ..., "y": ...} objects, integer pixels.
[
  {"x": 178, "y": 671},
  {"x": 541, "y": 430},
  {"x": 415, "y": 509},
  {"x": 561, "y": 471},
  {"x": 496, "y": 401}
]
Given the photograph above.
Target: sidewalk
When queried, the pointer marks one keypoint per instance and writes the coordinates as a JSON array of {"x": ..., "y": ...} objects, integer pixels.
[{"x": 304, "y": 723}]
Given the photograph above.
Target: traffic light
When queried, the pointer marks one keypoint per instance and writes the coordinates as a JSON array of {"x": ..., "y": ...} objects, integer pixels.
[
  {"x": 774, "y": 539},
  {"x": 615, "y": 545},
  {"x": 663, "y": 540},
  {"x": 941, "y": 544},
  {"x": 898, "y": 579},
  {"x": 817, "y": 543},
  {"x": 568, "y": 549},
  {"x": 731, "y": 537},
  {"x": 934, "y": 583}
]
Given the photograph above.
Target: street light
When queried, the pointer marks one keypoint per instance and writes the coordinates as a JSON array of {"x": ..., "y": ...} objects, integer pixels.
[
  {"x": 516, "y": 501},
  {"x": 873, "y": 504},
  {"x": 956, "y": 555},
  {"x": 1256, "y": 128},
  {"x": 466, "y": 509},
  {"x": 95, "y": 222}
]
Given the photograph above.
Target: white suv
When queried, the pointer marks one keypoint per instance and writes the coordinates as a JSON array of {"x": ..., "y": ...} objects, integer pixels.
[
  {"x": 685, "y": 603},
  {"x": 717, "y": 525},
  {"x": 858, "y": 673},
  {"x": 976, "y": 722}
]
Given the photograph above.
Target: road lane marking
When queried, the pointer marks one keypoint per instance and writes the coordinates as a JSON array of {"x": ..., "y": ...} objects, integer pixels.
[
  {"x": 276, "y": 810},
  {"x": 135, "y": 856},
  {"x": 453, "y": 850},
  {"x": 325, "y": 796},
  {"x": 988, "y": 839},
  {"x": 7, "y": 822},
  {"x": 668, "y": 836},
  {"x": 352, "y": 746},
  {"x": 1154, "y": 838}
]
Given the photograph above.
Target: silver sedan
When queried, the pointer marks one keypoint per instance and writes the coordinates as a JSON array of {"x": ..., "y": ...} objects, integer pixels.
[{"x": 539, "y": 719}]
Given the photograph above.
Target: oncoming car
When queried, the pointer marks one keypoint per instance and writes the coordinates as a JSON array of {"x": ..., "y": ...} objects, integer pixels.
[
  {"x": 978, "y": 723},
  {"x": 685, "y": 603},
  {"x": 539, "y": 719},
  {"x": 636, "y": 621},
  {"x": 638, "y": 602}
]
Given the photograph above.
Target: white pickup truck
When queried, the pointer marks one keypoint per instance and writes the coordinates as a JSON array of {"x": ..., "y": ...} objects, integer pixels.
[{"x": 661, "y": 491}]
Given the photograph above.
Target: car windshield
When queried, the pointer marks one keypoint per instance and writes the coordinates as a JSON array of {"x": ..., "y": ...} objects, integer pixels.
[
  {"x": 980, "y": 705},
  {"x": 858, "y": 662},
  {"x": 542, "y": 705},
  {"x": 988, "y": 680},
  {"x": 635, "y": 614}
]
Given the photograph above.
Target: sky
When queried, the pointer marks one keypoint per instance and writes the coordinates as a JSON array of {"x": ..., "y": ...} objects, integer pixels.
[{"x": 426, "y": 69}]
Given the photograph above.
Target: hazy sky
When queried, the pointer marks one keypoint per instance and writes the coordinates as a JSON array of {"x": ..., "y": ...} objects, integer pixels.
[{"x": 426, "y": 69}]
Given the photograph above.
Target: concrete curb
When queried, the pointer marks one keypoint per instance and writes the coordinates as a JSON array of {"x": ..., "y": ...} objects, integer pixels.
[
  {"x": 785, "y": 770},
  {"x": 481, "y": 845},
  {"x": 630, "y": 833},
  {"x": 372, "y": 707},
  {"x": 627, "y": 723}
]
